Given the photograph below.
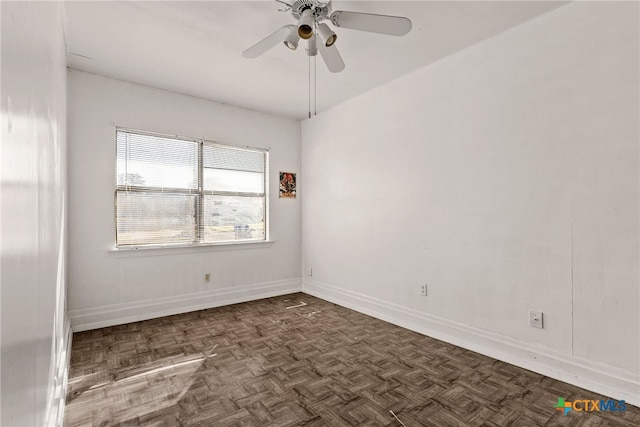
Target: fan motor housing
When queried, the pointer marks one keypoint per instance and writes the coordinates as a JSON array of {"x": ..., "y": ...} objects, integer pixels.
[{"x": 320, "y": 9}]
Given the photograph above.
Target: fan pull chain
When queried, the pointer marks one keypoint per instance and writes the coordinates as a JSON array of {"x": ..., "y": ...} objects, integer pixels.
[
  {"x": 313, "y": 51},
  {"x": 309, "y": 86}
]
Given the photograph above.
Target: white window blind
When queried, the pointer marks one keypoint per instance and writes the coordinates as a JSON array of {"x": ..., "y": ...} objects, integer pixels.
[{"x": 179, "y": 191}]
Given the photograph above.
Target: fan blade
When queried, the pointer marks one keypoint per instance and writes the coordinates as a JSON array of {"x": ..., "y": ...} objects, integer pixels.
[
  {"x": 383, "y": 24},
  {"x": 331, "y": 57},
  {"x": 268, "y": 42}
]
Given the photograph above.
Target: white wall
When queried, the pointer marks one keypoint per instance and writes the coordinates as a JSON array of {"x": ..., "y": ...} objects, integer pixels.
[
  {"x": 33, "y": 193},
  {"x": 107, "y": 287},
  {"x": 506, "y": 178}
]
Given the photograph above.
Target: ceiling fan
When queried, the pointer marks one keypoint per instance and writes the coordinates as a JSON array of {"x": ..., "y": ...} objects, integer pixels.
[{"x": 310, "y": 15}]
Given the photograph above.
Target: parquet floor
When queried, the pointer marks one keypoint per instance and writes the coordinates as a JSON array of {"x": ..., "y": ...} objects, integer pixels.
[{"x": 263, "y": 364}]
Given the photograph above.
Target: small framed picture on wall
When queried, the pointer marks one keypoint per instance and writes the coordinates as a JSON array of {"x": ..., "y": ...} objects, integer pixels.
[{"x": 287, "y": 185}]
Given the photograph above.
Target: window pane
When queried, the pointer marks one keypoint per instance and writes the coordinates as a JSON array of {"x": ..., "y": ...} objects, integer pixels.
[
  {"x": 236, "y": 181},
  {"x": 152, "y": 218},
  {"x": 227, "y": 218},
  {"x": 150, "y": 161}
]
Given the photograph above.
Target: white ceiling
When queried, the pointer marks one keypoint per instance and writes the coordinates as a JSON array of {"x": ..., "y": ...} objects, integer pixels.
[{"x": 195, "y": 47}]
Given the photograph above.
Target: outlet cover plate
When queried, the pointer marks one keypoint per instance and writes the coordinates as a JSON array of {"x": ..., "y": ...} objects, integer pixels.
[{"x": 535, "y": 319}]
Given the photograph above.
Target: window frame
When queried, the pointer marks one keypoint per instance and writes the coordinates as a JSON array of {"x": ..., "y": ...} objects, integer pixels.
[{"x": 198, "y": 192}]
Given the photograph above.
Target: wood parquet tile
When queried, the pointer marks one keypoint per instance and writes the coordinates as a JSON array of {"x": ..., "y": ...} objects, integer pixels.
[{"x": 261, "y": 364}]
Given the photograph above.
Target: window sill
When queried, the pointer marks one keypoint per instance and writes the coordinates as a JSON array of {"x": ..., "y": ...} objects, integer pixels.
[{"x": 158, "y": 250}]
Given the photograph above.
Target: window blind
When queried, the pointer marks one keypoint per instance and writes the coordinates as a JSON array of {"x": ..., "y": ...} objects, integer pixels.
[{"x": 151, "y": 161}]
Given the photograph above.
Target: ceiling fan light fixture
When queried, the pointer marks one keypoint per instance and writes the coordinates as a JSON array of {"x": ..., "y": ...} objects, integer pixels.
[
  {"x": 305, "y": 24},
  {"x": 312, "y": 49},
  {"x": 291, "y": 41},
  {"x": 327, "y": 35}
]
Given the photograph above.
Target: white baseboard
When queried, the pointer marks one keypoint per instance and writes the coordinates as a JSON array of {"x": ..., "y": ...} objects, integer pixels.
[
  {"x": 118, "y": 314},
  {"x": 600, "y": 378}
]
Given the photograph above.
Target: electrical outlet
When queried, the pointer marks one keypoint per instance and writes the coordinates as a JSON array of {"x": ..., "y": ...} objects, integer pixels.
[
  {"x": 423, "y": 290},
  {"x": 535, "y": 319},
  {"x": 207, "y": 277},
  {"x": 310, "y": 272}
]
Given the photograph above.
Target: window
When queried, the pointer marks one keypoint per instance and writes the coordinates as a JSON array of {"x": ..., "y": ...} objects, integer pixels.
[{"x": 172, "y": 190}]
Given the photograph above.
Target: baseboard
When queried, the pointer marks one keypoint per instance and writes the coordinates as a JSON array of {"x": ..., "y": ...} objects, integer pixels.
[
  {"x": 118, "y": 314},
  {"x": 55, "y": 411},
  {"x": 593, "y": 376}
]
